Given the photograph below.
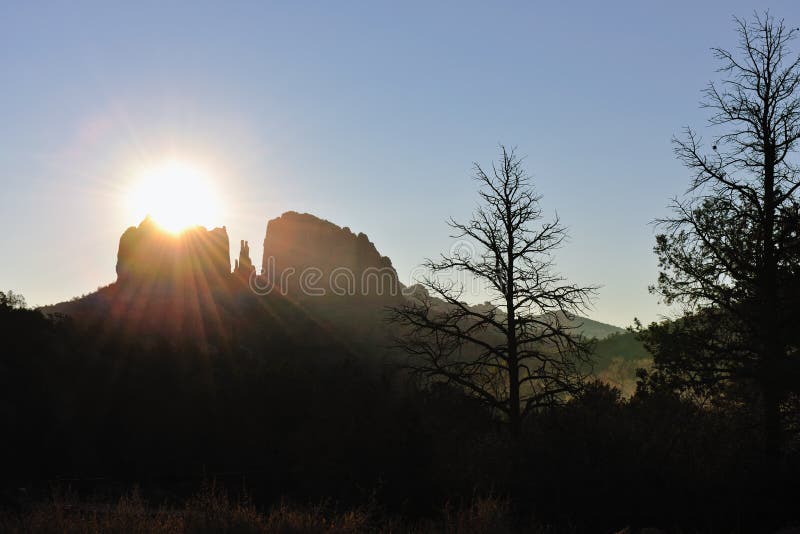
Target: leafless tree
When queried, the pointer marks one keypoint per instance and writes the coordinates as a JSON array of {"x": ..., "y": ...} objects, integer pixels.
[{"x": 521, "y": 350}]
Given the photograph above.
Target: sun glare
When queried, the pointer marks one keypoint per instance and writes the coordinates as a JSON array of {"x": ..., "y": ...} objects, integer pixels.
[{"x": 176, "y": 195}]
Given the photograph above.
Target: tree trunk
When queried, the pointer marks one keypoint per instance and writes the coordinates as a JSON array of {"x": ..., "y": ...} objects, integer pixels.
[
  {"x": 770, "y": 331},
  {"x": 514, "y": 416},
  {"x": 772, "y": 425}
]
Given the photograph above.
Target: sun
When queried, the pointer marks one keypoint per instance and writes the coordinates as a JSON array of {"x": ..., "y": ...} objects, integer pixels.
[{"x": 176, "y": 195}]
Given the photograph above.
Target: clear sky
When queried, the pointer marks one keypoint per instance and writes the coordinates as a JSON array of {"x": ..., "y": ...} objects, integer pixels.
[{"x": 367, "y": 114}]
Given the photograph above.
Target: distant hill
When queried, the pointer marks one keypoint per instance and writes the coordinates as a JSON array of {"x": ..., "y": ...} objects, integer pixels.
[
  {"x": 617, "y": 357},
  {"x": 587, "y": 327},
  {"x": 620, "y": 345},
  {"x": 595, "y": 329}
]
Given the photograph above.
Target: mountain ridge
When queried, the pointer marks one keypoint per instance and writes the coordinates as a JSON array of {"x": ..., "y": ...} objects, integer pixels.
[{"x": 184, "y": 286}]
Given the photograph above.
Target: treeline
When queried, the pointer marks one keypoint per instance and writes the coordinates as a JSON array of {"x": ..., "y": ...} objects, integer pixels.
[{"x": 101, "y": 416}]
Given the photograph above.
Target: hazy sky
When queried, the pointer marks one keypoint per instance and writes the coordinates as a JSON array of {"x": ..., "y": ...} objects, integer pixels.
[{"x": 367, "y": 114}]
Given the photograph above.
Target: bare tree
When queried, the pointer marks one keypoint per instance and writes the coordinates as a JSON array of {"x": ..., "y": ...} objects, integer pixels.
[
  {"x": 730, "y": 252},
  {"x": 521, "y": 351}
]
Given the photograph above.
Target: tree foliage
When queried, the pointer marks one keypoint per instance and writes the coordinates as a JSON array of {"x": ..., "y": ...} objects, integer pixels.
[{"x": 730, "y": 251}]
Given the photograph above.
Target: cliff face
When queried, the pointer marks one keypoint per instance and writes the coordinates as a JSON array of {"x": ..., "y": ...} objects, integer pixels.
[
  {"x": 303, "y": 255},
  {"x": 310, "y": 255},
  {"x": 147, "y": 253}
]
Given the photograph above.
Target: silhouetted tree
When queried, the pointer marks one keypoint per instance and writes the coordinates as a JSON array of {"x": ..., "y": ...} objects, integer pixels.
[
  {"x": 729, "y": 253},
  {"x": 520, "y": 351},
  {"x": 11, "y": 301}
]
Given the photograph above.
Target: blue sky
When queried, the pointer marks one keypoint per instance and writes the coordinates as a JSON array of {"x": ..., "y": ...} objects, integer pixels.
[{"x": 367, "y": 114}]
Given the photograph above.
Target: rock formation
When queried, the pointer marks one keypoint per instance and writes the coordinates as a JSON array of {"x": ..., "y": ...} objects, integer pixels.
[
  {"x": 149, "y": 253},
  {"x": 312, "y": 256},
  {"x": 244, "y": 265},
  {"x": 303, "y": 255}
]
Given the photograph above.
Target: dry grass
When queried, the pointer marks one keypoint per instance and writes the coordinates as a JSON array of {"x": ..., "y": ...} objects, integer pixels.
[{"x": 212, "y": 510}]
